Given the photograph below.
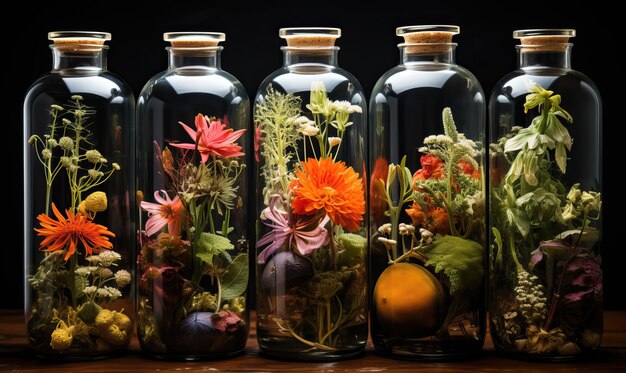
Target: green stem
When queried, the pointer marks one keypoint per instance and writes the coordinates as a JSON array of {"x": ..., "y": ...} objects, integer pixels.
[
  {"x": 448, "y": 198},
  {"x": 514, "y": 251},
  {"x": 218, "y": 279},
  {"x": 328, "y": 324},
  {"x": 394, "y": 213},
  {"x": 72, "y": 276}
]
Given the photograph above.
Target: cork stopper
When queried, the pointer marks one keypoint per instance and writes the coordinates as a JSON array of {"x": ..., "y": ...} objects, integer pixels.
[
  {"x": 79, "y": 41},
  {"x": 194, "y": 40},
  {"x": 427, "y": 39},
  {"x": 310, "y": 37},
  {"x": 544, "y": 40}
]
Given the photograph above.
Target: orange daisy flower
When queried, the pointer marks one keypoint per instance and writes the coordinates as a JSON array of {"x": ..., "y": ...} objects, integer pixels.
[
  {"x": 330, "y": 186},
  {"x": 63, "y": 231}
]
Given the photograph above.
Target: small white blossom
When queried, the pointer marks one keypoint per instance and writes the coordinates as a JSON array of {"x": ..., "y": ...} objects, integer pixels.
[
  {"x": 334, "y": 141},
  {"x": 90, "y": 290},
  {"x": 105, "y": 258},
  {"x": 85, "y": 271},
  {"x": 309, "y": 130},
  {"x": 104, "y": 272},
  {"x": 109, "y": 292},
  {"x": 122, "y": 277}
]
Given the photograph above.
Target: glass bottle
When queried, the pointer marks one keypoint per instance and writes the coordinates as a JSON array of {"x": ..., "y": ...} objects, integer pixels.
[
  {"x": 79, "y": 139},
  {"x": 192, "y": 182},
  {"x": 545, "y": 183},
  {"x": 310, "y": 144},
  {"x": 427, "y": 202}
]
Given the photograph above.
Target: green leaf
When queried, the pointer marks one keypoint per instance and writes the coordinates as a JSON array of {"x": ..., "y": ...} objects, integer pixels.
[
  {"x": 588, "y": 240},
  {"x": 460, "y": 259},
  {"x": 235, "y": 280},
  {"x": 210, "y": 246}
]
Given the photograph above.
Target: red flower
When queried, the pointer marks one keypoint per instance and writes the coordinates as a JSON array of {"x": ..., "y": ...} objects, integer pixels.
[
  {"x": 432, "y": 167},
  {"x": 257, "y": 142},
  {"x": 467, "y": 169},
  {"x": 213, "y": 139}
]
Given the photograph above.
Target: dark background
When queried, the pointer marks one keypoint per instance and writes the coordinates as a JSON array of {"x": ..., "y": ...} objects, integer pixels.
[{"x": 368, "y": 49}]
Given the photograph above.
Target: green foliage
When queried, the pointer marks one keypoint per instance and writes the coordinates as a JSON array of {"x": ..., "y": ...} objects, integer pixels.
[
  {"x": 546, "y": 132},
  {"x": 275, "y": 117},
  {"x": 211, "y": 246},
  {"x": 235, "y": 280},
  {"x": 460, "y": 259},
  {"x": 352, "y": 248}
]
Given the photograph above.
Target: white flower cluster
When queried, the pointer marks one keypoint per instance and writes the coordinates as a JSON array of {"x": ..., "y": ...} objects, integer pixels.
[
  {"x": 104, "y": 292},
  {"x": 106, "y": 258},
  {"x": 530, "y": 298},
  {"x": 122, "y": 277},
  {"x": 85, "y": 271}
]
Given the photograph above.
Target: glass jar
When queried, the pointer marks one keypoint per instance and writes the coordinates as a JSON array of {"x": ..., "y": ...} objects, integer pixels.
[
  {"x": 427, "y": 202},
  {"x": 545, "y": 275},
  {"x": 79, "y": 160},
  {"x": 193, "y": 266},
  {"x": 310, "y": 148}
]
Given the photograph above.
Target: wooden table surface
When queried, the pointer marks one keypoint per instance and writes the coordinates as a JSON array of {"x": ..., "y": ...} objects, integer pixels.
[{"x": 16, "y": 357}]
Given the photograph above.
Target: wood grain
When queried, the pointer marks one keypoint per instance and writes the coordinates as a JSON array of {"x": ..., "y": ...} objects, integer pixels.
[{"x": 16, "y": 357}]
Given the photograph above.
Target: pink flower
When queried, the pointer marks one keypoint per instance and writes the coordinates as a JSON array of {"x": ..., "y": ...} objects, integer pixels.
[
  {"x": 166, "y": 211},
  {"x": 225, "y": 320},
  {"x": 212, "y": 139},
  {"x": 306, "y": 241}
]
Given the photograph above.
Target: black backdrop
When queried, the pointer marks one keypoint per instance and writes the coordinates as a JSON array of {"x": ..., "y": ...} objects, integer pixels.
[{"x": 368, "y": 48}]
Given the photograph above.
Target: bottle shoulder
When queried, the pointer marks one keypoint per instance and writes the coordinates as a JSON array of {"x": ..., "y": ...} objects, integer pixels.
[
  {"x": 408, "y": 77},
  {"x": 215, "y": 82},
  {"x": 299, "y": 78},
  {"x": 105, "y": 85},
  {"x": 562, "y": 81}
]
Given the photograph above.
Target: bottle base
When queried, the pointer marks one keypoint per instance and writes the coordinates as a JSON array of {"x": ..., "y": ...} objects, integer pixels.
[
  {"x": 538, "y": 357},
  {"x": 77, "y": 358},
  {"x": 428, "y": 351},
  {"x": 291, "y": 354},
  {"x": 198, "y": 357}
]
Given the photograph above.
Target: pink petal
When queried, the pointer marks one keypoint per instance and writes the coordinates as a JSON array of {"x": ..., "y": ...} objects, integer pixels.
[
  {"x": 150, "y": 207},
  {"x": 154, "y": 224},
  {"x": 184, "y": 146},
  {"x": 189, "y": 131}
]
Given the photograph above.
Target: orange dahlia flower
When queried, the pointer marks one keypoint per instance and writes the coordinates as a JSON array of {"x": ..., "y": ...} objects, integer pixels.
[
  {"x": 330, "y": 186},
  {"x": 68, "y": 232}
]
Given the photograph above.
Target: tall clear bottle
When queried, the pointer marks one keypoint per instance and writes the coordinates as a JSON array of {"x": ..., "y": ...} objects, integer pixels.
[
  {"x": 427, "y": 202},
  {"x": 545, "y": 183},
  {"x": 79, "y": 146},
  {"x": 192, "y": 270},
  {"x": 310, "y": 144}
]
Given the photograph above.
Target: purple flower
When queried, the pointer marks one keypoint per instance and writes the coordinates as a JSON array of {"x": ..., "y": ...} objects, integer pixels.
[{"x": 306, "y": 240}]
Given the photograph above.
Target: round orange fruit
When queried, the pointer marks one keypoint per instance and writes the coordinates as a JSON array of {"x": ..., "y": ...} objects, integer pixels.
[{"x": 408, "y": 301}]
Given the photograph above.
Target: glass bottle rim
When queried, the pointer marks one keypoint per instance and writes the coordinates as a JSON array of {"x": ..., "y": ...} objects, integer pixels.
[
  {"x": 403, "y": 30},
  {"x": 452, "y": 45},
  {"x": 286, "y": 32},
  {"x": 98, "y": 36},
  {"x": 539, "y": 32},
  {"x": 214, "y": 37}
]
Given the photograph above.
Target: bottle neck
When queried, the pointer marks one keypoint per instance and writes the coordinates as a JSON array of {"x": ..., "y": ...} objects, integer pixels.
[
  {"x": 532, "y": 57},
  {"x": 78, "y": 60},
  {"x": 184, "y": 57},
  {"x": 324, "y": 56},
  {"x": 425, "y": 53}
]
